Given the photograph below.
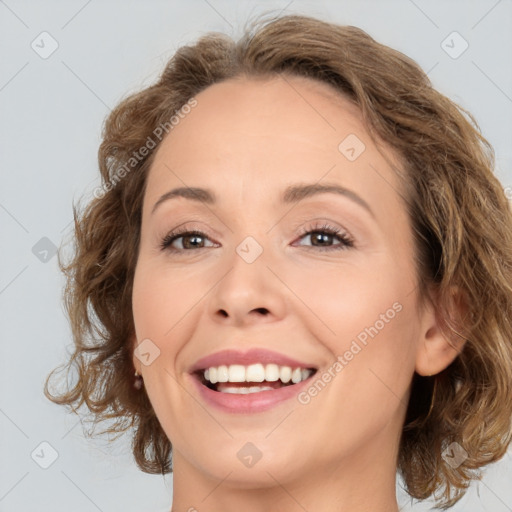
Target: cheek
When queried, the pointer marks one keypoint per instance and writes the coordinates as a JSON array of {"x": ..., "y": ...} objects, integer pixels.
[
  {"x": 161, "y": 298},
  {"x": 365, "y": 317},
  {"x": 343, "y": 299},
  {"x": 163, "y": 306},
  {"x": 371, "y": 386}
]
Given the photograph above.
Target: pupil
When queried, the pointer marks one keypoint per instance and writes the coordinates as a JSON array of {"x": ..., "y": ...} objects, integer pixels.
[
  {"x": 191, "y": 237},
  {"x": 322, "y": 238}
]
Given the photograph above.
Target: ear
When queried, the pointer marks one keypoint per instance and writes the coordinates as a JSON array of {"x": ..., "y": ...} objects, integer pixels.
[{"x": 438, "y": 346}]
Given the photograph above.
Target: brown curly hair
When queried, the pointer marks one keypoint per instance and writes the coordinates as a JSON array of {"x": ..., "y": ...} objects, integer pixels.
[{"x": 461, "y": 218}]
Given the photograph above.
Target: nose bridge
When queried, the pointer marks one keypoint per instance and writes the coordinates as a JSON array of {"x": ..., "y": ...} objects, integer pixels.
[{"x": 248, "y": 288}]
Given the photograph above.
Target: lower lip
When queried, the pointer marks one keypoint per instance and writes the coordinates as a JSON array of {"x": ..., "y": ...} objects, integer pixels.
[{"x": 251, "y": 402}]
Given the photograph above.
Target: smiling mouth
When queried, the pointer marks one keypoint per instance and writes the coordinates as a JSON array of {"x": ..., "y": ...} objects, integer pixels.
[{"x": 239, "y": 379}]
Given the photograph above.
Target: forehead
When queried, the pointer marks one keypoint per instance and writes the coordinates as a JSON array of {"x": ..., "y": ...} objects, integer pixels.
[
  {"x": 247, "y": 135},
  {"x": 298, "y": 108}
]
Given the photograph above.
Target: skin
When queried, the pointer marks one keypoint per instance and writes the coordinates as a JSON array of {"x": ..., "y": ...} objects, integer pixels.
[{"x": 247, "y": 140}]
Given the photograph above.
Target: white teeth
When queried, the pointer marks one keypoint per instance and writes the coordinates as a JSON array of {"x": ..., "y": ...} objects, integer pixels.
[
  {"x": 245, "y": 391},
  {"x": 255, "y": 373},
  {"x": 272, "y": 372},
  {"x": 296, "y": 375},
  {"x": 236, "y": 373},
  {"x": 285, "y": 374},
  {"x": 222, "y": 374}
]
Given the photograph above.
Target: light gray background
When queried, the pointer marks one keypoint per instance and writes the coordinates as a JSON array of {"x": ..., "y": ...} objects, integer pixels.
[{"x": 51, "y": 115}]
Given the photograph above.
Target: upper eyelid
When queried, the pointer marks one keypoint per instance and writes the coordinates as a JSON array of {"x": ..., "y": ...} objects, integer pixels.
[
  {"x": 320, "y": 211},
  {"x": 317, "y": 225},
  {"x": 298, "y": 226}
]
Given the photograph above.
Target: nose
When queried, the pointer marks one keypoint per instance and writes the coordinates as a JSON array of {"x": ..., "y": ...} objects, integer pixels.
[{"x": 248, "y": 293}]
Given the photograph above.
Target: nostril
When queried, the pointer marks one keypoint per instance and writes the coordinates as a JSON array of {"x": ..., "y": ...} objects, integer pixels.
[{"x": 263, "y": 311}]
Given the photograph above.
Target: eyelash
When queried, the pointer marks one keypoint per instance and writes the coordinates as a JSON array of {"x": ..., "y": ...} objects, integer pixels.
[{"x": 346, "y": 241}]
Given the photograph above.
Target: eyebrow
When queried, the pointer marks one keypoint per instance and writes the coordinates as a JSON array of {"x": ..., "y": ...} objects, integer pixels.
[
  {"x": 292, "y": 194},
  {"x": 201, "y": 195},
  {"x": 296, "y": 193}
]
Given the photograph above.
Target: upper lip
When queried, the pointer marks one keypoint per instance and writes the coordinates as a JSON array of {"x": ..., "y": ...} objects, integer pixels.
[{"x": 252, "y": 356}]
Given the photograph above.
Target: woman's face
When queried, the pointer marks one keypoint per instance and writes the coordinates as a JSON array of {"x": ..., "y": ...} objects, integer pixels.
[{"x": 284, "y": 162}]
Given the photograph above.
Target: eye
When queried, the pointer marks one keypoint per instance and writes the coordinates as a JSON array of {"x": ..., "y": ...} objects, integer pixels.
[
  {"x": 189, "y": 240},
  {"x": 323, "y": 237}
]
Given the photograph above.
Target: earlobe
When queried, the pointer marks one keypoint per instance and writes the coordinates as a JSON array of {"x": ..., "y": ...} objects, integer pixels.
[{"x": 439, "y": 346}]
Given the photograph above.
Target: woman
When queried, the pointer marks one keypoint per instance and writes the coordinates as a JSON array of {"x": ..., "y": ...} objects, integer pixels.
[{"x": 296, "y": 278}]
